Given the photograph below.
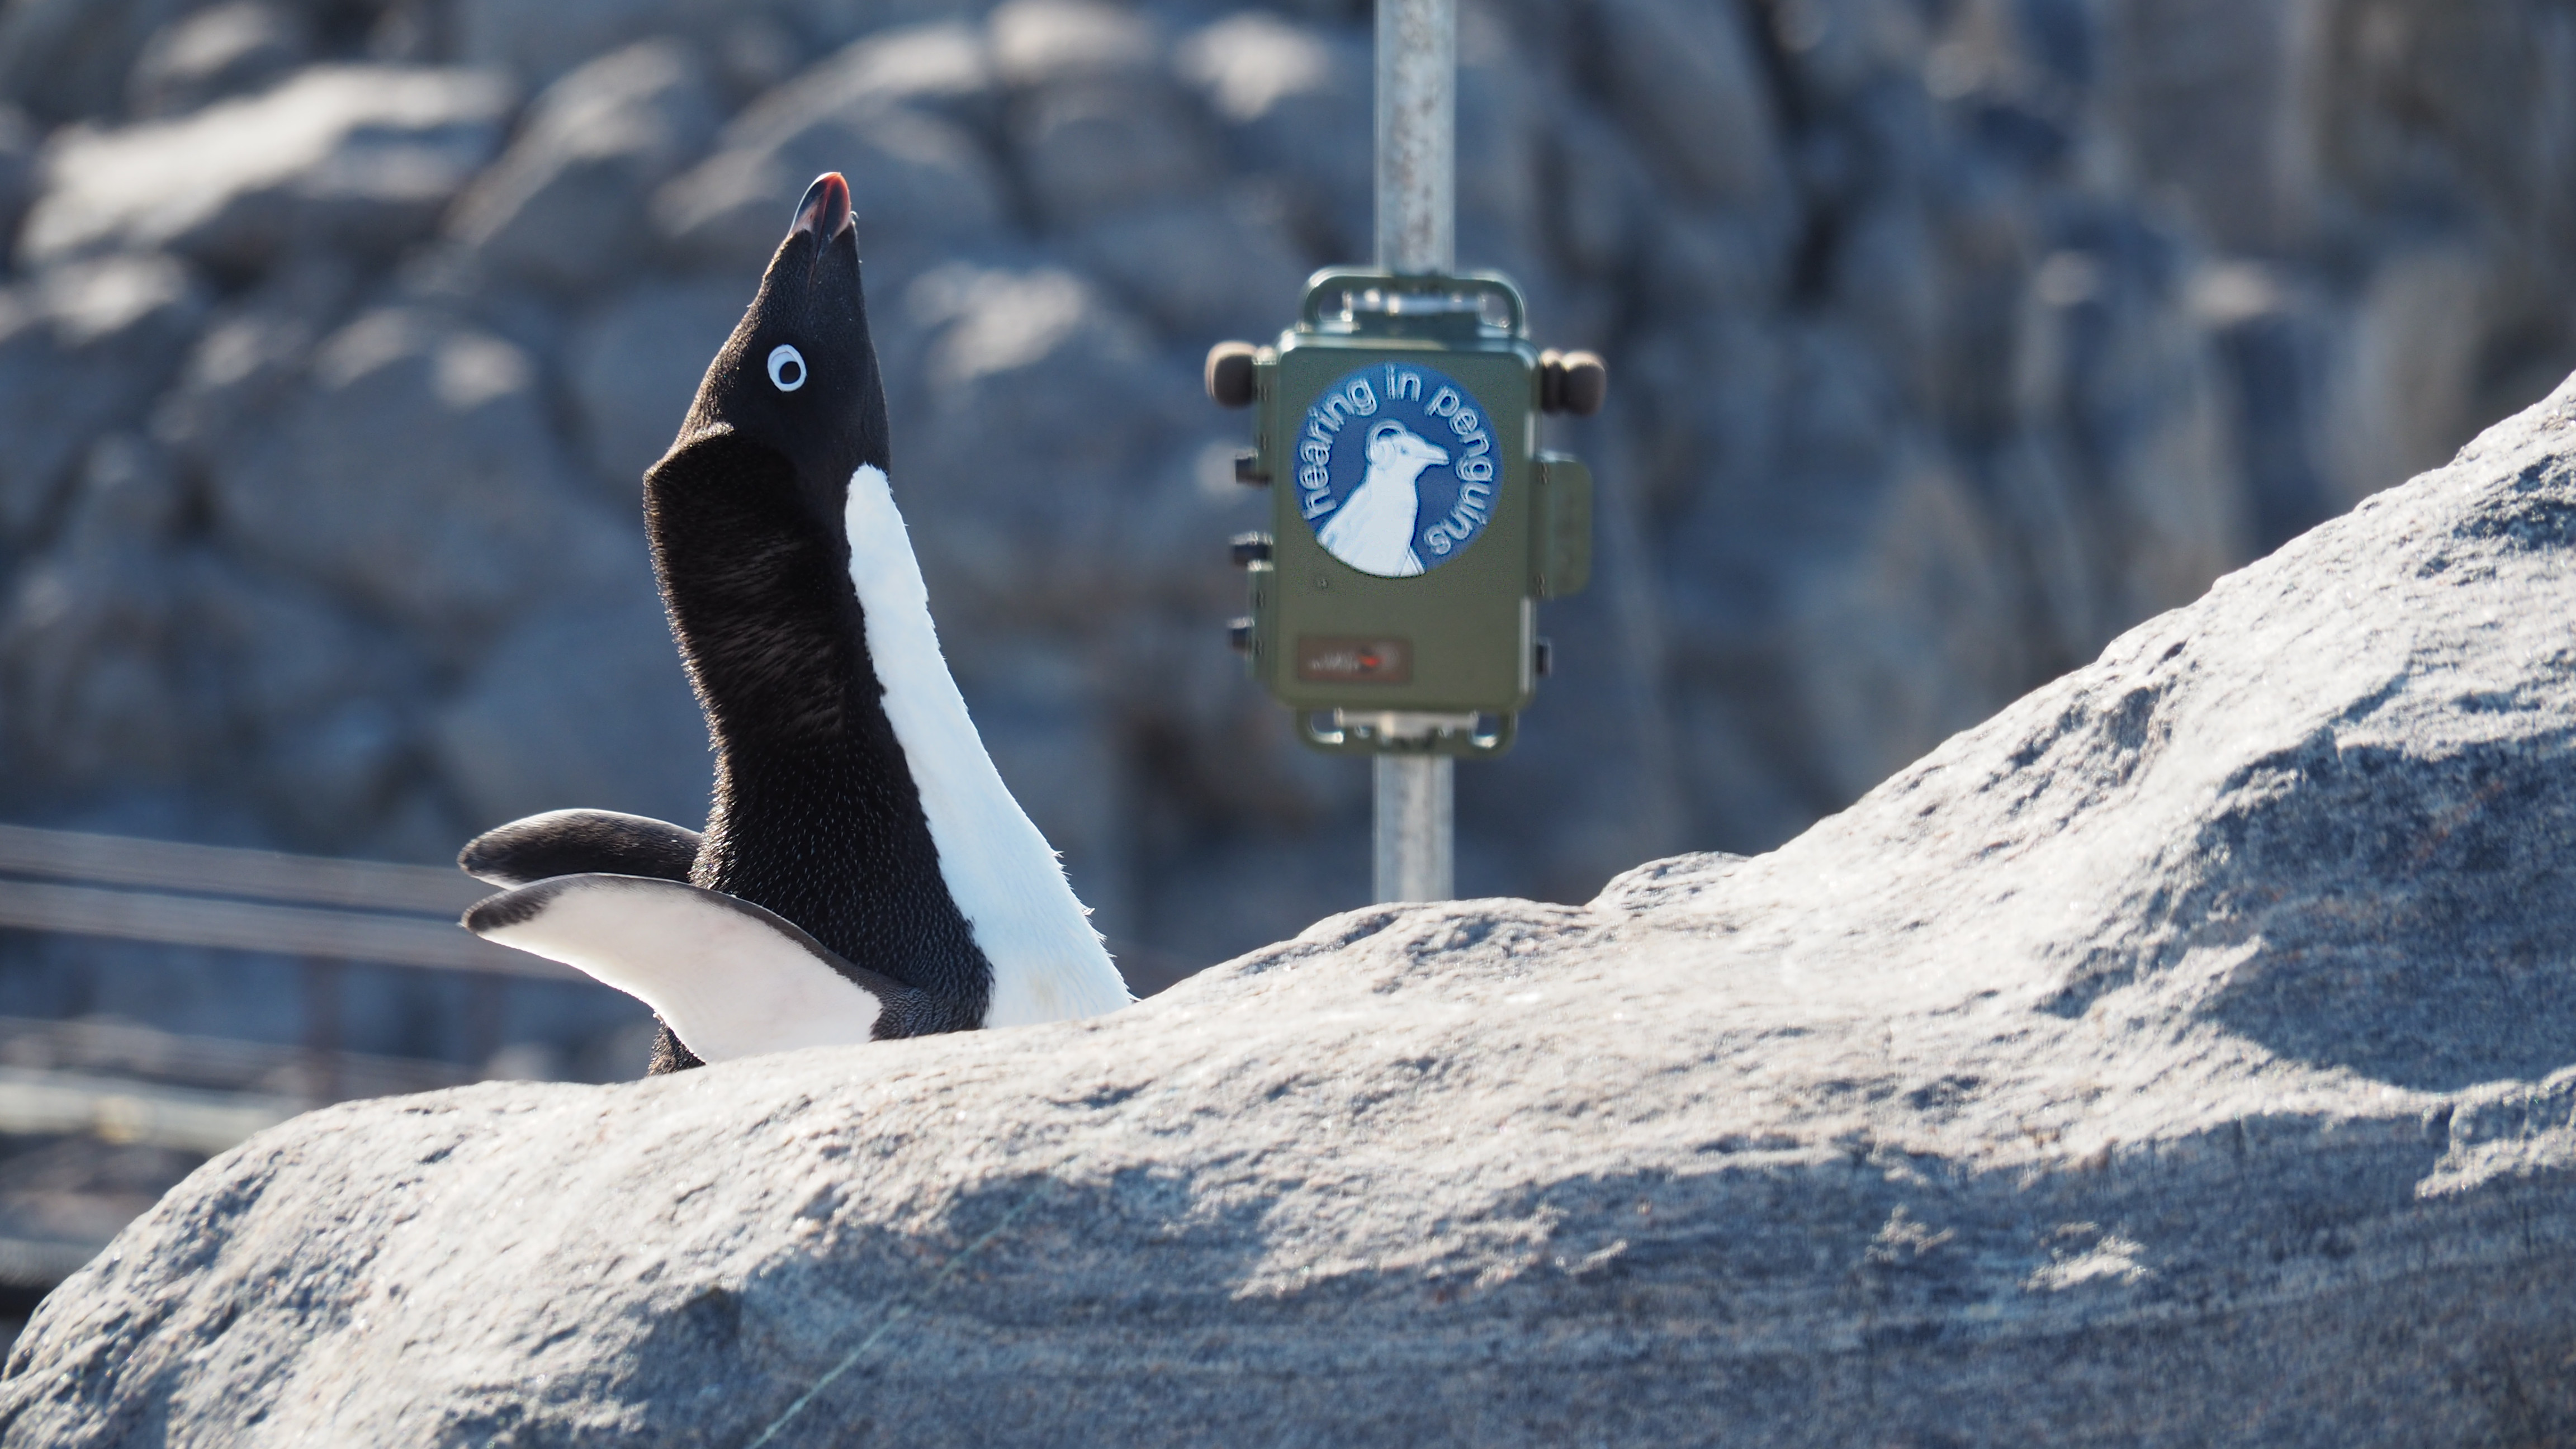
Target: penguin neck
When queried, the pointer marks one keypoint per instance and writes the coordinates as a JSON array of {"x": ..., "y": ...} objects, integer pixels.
[{"x": 815, "y": 816}]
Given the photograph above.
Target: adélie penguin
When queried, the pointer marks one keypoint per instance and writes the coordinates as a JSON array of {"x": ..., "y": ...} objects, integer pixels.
[{"x": 864, "y": 872}]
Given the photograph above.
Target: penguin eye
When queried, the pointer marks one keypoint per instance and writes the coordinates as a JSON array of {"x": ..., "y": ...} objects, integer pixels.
[{"x": 786, "y": 368}]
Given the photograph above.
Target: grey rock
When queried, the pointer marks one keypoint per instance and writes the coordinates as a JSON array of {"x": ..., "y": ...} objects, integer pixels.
[
  {"x": 1293, "y": 101},
  {"x": 2190, "y": 1022},
  {"x": 565, "y": 206},
  {"x": 131, "y": 656},
  {"x": 2119, "y": 390},
  {"x": 1020, "y": 409},
  {"x": 82, "y": 349},
  {"x": 537, "y": 43},
  {"x": 2403, "y": 391},
  {"x": 416, "y": 471},
  {"x": 1206, "y": 270},
  {"x": 1085, "y": 150},
  {"x": 1839, "y": 51},
  {"x": 251, "y": 357},
  {"x": 67, "y": 59},
  {"x": 17, "y": 175},
  {"x": 635, "y": 364},
  {"x": 942, "y": 67},
  {"x": 1828, "y": 512},
  {"x": 364, "y": 157},
  {"x": 1685, "y": 79},
  {"x": 1501, "y": 113},
  {"x": 2275, "y": 339},
  {"x": 224, "y": 50},
  {"x": 1038, "y": 43},
  {"x": 1253, "y": 61},
  {"x": 2212, "y": 103},
  {"x": 88, "y": 690},
  {"x": 321, "y": 712},
  {"x": 581, "y": 707},
  {"x": 885, "y": 113},
  {"x": 1095, "y": 122}
]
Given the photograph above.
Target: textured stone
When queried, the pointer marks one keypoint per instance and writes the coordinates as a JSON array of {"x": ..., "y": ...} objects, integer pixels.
[
  {"x": 1685, "y": 77},
  {"x": 2213, "y": 104},
  {"x": 416, "y": 471},
  {"x": 540, "y": 42},
  {"x": 565, "y": 205},
  {"x": 1054, "y": 42},
  {"x": 364, "y": 157},
  {"x": 17, "y": 175},
  {"x": 223, "y": 50},
  {"x": 886, "y": 114},
  {"x": 1095, "y": 121},
  {"x": 1090, "y": 148},
  {"x": 1028, "y": 393},
  {"x": 2201, "y": 1019},
  {"x": 88, "y": 692},
  {"x": 635, "y": 364},
  {"x": 82, "y": 349},
  {"x": 2405, "y": 377},
  {"x": 1293, "y": 102},
  {"x": 1205, "y": 270},
  {"x": 129, "y": 657},
  {"x": 585, "y": 707},
  {"x": 68, "y": 59}
]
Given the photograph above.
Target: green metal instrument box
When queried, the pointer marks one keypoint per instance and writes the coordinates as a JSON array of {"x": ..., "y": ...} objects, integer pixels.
[{"x": 1414, "y": 523}]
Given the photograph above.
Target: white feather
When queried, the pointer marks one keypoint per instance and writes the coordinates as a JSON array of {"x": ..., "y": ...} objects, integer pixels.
[
  {"x": 725, "y": 980},
  {"x": 1048, "y": 964}
]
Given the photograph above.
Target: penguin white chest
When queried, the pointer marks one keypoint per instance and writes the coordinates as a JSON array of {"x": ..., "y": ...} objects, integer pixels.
[{"x": 1048, "y": 964}]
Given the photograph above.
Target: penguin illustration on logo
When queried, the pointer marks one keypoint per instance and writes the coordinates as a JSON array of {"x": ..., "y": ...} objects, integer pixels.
[
  {"x": 1373, "y": 529},
  {"x": 1380, "y": 494},
  {"x": 864, "y": 872}
]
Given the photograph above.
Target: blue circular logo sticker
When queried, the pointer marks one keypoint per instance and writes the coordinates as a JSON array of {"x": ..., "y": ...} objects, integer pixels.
[{"x": 1395, "y": 469}]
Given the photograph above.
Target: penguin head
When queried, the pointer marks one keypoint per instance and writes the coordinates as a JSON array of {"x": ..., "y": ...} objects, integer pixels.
[{"x": 799, "y": 374}]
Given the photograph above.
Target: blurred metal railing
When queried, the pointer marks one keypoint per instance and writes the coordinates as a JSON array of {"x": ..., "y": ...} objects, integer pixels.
[
  {"x": 326, "y": 914},
  {"x": 343, "y": 910}
]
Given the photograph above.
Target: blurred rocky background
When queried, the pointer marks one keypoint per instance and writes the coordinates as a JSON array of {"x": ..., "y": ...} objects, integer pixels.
[{"x": 1948, "y": 338}]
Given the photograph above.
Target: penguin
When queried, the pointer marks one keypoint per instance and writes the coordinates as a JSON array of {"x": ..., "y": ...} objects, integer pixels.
[
  {"x": 864, "y": 873},
  {"x": 1373, "y": 532}
]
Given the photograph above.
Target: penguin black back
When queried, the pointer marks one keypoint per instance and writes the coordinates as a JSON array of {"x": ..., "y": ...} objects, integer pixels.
[{"x": 816, "y": 816}]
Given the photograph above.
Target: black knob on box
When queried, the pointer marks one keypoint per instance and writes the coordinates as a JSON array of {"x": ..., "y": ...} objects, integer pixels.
[
  {"x": 1229, "y": 374},
  {"x": 1238, "y": 635},
  {"x": 1572, "y": 382},
  {"x": 1587, "y": 384},
  {"x": 1249, "y": 548}
]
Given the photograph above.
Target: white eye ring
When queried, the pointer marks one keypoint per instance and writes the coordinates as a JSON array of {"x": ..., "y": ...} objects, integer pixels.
[{"x": 787, "y": 370}]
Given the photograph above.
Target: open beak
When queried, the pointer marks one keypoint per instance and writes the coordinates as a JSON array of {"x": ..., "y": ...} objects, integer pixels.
[{"x": 825, "y": 211}]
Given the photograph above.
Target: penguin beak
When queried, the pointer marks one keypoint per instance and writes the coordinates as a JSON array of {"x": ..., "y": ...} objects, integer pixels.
[{"x": 825, "y": 211}]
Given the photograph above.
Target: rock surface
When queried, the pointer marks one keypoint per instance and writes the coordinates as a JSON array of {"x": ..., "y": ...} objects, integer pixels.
[
  {"x": 2185, "y": 1056},
  {"x": 364, "y": 157}
]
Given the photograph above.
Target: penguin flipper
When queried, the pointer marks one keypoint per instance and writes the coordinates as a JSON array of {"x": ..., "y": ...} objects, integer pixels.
[
  {"x": 729, "y": 978},
  {"x": 579, "y": 842}
]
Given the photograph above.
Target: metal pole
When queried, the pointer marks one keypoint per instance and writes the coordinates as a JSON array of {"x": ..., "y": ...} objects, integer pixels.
[
  {"x": 1415, "y": 830},
  {"x": 1417, "y": 135},
  {"x": 1417, "y": 232}
]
